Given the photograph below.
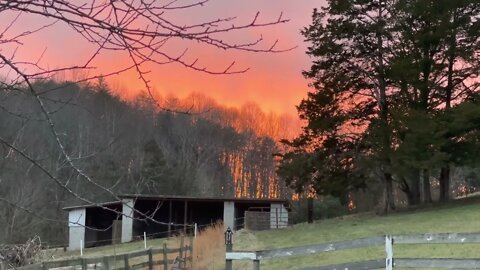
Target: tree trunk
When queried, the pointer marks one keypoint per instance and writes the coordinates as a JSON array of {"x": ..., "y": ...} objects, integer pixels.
[
  {"x": 414, "y": 195},
  {"x": 445, "y": 183},
  {"x": 383, "y": 117},
  {"x": 389, "y": 200},
  {"x": 427, "y": 195}
]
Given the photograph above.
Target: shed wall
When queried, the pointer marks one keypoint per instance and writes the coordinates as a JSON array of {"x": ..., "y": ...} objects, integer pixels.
[{"x": 76, "y": 228}]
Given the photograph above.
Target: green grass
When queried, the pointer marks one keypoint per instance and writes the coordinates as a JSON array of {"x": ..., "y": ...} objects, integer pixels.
[{"x": 458, "y": 216}]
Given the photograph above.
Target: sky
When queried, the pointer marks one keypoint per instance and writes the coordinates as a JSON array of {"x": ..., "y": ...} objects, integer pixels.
[{"x": 274, "y": 80}]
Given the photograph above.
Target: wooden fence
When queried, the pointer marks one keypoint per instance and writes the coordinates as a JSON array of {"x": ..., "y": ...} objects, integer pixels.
[
  {"x": 152, "y": 258},
  {"x": 388, "y": 263}
]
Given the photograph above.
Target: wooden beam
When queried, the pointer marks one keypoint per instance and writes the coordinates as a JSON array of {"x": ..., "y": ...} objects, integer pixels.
[
  {"x": 438, "y": 263},
  {"x": 185, "y": 217},
  {"x": 437, "y": 238},
  {"x": 373, "y": 264},
  {"x": 320, "y": 248},
  {"x": 169, "y": 218},
  {"x": 241, "y": 255}
]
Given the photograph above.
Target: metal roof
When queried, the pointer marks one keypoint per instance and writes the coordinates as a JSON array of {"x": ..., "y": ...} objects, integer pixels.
[
  {"x": 210, "y": 199},
  {"x": 177, "y": 198},
  {"x": 105, "y": 204}
]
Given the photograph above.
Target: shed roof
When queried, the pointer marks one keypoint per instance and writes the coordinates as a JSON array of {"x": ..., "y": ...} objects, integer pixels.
[
  {"x": 177, "y": 198},
  {"x": 105, "y": 204},
  {"x": 211, "y": 199}
]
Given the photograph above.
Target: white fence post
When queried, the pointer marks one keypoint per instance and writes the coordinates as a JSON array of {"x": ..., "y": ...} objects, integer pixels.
[
  {"x": 145, "y": 240},
  {"x": 389, "y": 252},
  {"x": 81, "y": 248}
]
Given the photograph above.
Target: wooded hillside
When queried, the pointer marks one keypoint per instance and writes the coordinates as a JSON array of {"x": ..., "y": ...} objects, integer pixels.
[{"x": 126, "y": 147}]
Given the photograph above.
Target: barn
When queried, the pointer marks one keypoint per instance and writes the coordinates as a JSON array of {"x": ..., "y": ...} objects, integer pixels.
[{"x": 160, "y": 216}]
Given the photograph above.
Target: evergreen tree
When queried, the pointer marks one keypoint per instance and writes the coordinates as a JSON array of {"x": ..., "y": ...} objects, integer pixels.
[
  {"x": 386, "y": 77},
  {"x": 157, "y": 176},
  {"x": 349, "y": 41}
]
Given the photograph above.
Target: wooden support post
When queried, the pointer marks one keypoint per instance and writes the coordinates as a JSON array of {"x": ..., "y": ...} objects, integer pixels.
[
  {"x": 150, "y": 259},
  {"x": 190, "y": 258},
  {"x": 170, "y": 218},
  {"x": 185, "y": 218},
  {"x": 106, "y": 263},
  {"x": 276, "y": 217},
  {"x": 229, "y": 263},
  {"x": 182, "y": 247},
  {"x": 125, "y": 261},
  {"x": 84, "y": 264},
  {"x": 165, "y": 257},
  {"x": 256, "y": 264},
  {"x": 389, "y": 252}
]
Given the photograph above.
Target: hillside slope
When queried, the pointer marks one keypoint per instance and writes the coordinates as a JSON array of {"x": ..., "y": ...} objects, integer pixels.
[{"x": 457, "y": 216}]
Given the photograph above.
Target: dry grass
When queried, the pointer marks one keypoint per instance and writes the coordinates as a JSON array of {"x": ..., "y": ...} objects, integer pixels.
[{"x": 209, "y": 249}]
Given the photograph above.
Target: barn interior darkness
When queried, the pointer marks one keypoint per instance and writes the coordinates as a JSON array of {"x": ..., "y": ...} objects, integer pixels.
[
  {"x": 99, "y": 224},
  {"x": 179, "y": 213}
]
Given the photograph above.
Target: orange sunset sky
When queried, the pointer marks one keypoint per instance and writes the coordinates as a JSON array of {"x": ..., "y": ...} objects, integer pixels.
[{"x": 274, "y": 81}]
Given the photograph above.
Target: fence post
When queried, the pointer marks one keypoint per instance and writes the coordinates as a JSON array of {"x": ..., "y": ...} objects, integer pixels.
[
  {"x": 81, "y": 248},
  {"x": 229, "y": 263},
  {"x": 228, "y": 247},
  {"x": 190, "y": 258},
  {"x": 150, "y": 259},
  {"x": 165, "y": 257},
  {"x": 182, "y": 244},
  {"x": 106, "y": 263},
  {"x": 145, "y": 240},
  {"x": 256, "y": 264},
  {"x": 84, "y": 264},
  {"x": 389, "y": 252},
  {"x": 125, "y": 261}
]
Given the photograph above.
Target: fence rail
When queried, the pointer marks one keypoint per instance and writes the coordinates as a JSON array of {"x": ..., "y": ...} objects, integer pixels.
[
  {"x": 145, "y": 259},
  {"x": 389, "y": 262}
]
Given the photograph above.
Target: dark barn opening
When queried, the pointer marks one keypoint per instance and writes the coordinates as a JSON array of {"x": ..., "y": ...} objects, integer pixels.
[
  {"x": 174, "y": 216},
  {"x": 205, "y": 213},
  {"x": 99, "y": 224}
]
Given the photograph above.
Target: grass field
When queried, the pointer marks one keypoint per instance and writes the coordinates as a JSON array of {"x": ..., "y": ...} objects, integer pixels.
[{"x": 457, "y": 216}]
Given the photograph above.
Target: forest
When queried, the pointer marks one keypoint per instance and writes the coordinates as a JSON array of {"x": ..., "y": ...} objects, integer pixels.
[{"x": 128, "y": 147}]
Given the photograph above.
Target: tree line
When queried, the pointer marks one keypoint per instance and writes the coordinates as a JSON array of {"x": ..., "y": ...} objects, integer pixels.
[
  {"x": 127, "y": 147},
  {"x": 395, "y": 100}
]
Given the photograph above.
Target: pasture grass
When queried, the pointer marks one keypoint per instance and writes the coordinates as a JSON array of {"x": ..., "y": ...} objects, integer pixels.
[{"x": 457, "y": 216}]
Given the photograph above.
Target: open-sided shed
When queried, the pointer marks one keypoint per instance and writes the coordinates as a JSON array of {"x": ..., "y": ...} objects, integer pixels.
[{"x": 160, "y": 216}]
